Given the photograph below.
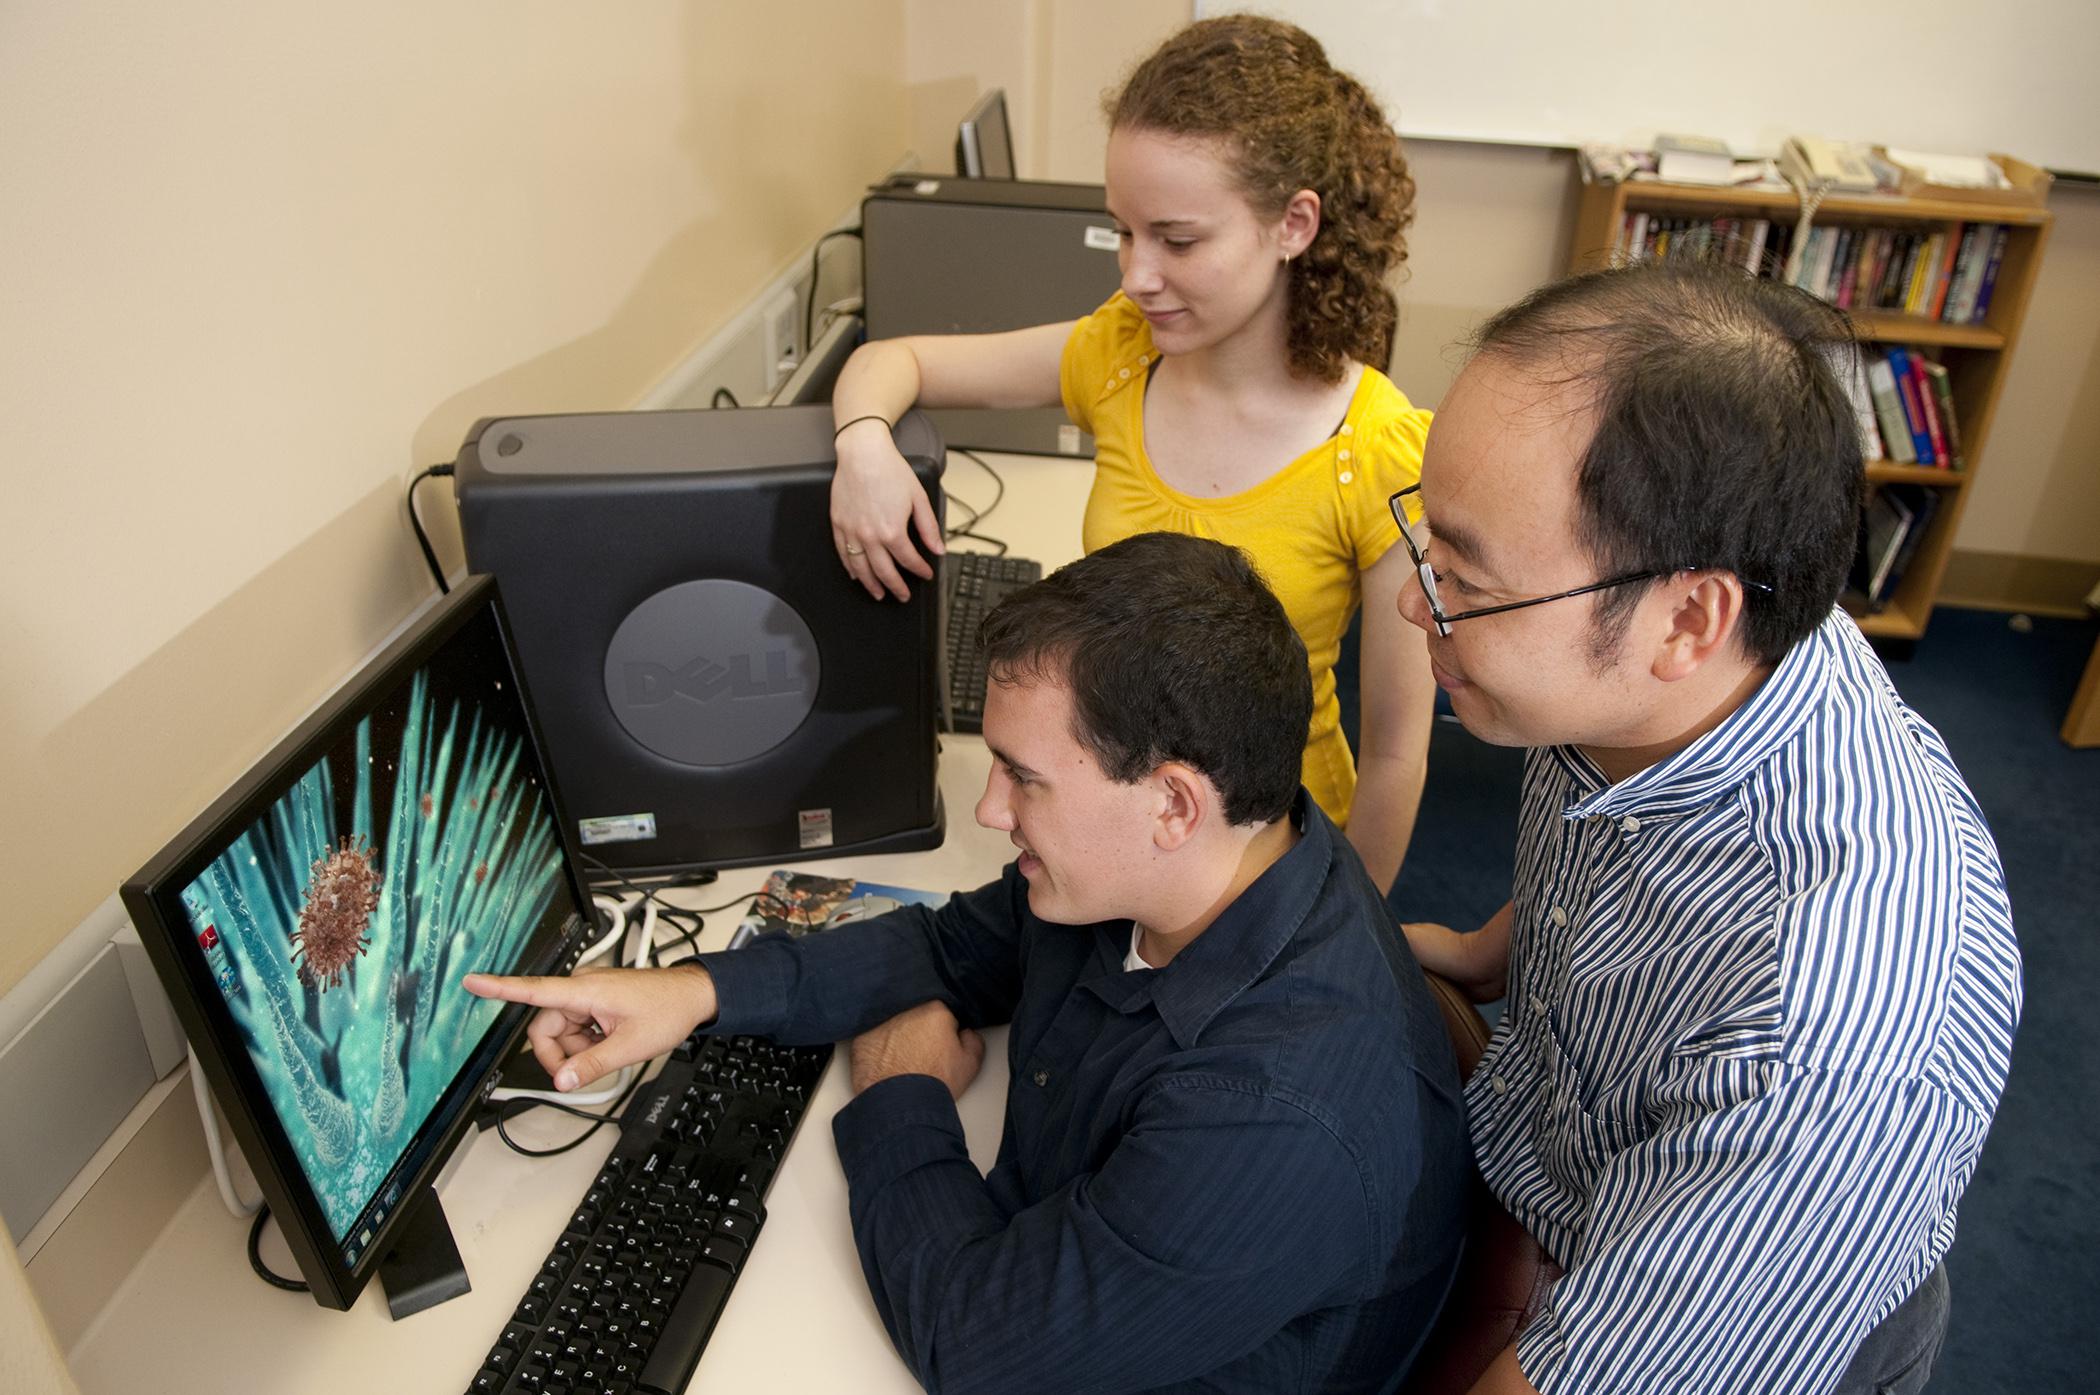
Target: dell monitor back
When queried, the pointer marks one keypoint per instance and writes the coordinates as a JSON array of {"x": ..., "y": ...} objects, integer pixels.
[{"x": 311, "y": 929}]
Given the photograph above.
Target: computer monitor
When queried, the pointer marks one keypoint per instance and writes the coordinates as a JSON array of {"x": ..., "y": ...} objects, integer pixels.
[
  {"x": 984, "y": 142},
  {"x": 312, "y": 927}
]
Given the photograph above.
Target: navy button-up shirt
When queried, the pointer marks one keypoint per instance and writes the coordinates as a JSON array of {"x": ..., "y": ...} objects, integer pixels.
[{"x": 1245, "y": 1171}]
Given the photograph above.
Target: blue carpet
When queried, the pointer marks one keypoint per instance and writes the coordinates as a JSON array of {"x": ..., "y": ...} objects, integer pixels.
[{"x": 2029, "y": 1243}]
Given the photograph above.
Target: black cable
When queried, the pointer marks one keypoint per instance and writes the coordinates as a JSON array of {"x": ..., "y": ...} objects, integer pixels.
[
  {"x": 809, "y": 302},
  {"x": 599, "y": 1121},
  {"x": 415, "y": 521},
  {"x": 998, "y": 480},
  {"x": 720, "y": 393},
  {"x": 998, "y": 544},
  {"x": 967, "y": 529},
  {"x": 255, "y": 1259}
]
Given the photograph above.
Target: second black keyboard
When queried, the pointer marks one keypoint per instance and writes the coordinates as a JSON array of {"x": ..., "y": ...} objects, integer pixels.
[
  {"x": 629, "y": 1294},
  {"x": 971, "y": 584}
]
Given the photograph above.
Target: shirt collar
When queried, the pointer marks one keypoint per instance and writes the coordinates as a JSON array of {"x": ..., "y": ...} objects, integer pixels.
[
  {"x": 1238, "y": 947},
  {"x": 1723, "y": 758}
]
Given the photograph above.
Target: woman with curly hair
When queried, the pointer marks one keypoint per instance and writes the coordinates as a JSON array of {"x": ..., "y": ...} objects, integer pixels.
[{"x": 1233, "y": 384}]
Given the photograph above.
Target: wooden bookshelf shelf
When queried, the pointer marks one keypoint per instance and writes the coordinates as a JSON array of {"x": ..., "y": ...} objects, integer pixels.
[
  {"x": 1883, "y": 472},
  {"x": 1881, "y": 328},
  {"x": 1975, "y": 355}
]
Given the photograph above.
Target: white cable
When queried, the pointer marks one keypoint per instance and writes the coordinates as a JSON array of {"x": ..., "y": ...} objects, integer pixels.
[
  {"x": 616, "y": 910},
  {"x": 221, "y": 1170},
  {"x": 1810, "y": 200},
  {"x": 624, "y": 923}
]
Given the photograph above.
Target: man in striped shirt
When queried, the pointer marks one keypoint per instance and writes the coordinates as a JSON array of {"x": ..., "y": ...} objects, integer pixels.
[{"x": 1759, "y": 964}]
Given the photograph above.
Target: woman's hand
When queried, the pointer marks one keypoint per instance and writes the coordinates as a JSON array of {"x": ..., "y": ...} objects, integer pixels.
[{"x": 876, "y": 501}]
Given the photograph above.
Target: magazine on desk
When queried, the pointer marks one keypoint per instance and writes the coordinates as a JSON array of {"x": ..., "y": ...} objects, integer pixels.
[{"x": 798, "y": 903}]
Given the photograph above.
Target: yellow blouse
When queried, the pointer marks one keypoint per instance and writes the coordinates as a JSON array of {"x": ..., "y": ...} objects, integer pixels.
[{"x": 1312, "y": 528}]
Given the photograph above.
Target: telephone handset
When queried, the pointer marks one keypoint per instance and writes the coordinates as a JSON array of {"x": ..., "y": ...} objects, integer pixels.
[{"x": 1822, "y": 166}]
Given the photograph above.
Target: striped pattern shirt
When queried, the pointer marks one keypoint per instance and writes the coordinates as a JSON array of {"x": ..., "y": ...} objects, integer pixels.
[{"x": 1761, "y": 1006}]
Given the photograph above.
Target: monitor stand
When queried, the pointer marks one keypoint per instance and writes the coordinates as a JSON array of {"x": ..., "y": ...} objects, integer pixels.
[{"x": 423, "y": 1269}]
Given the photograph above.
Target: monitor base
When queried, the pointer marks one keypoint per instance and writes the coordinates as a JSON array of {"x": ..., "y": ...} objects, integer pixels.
[{"x": 424, "y": 1268}]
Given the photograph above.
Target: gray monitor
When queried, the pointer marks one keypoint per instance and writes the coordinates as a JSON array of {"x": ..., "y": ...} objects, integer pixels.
[{"x": 984, "y": 142}]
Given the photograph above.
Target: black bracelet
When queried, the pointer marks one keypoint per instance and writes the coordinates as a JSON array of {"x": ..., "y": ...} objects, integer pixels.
[{"x": 872, "y": 416}]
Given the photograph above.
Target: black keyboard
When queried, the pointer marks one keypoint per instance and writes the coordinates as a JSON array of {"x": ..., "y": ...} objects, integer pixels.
[
  {"x": 971, "y": 584},
  {"x": 629, "y": 1294}
]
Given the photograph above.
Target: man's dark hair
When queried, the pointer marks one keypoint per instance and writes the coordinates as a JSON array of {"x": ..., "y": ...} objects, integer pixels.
[
  {"x": 1724, "y": 437},
  {"x": 1174, "y": 650}
]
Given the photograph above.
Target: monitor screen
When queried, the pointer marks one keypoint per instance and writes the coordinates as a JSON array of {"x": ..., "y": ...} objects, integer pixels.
[
  {"x": 984, "y": 143},
  {"x": 318, "y": 924}
]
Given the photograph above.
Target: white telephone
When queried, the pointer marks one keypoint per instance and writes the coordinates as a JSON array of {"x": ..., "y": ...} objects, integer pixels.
[{"x": 1822, "y": 166}]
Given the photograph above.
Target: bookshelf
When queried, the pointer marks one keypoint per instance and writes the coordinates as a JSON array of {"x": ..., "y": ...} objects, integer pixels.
[{"x": 1976, "y": 356}]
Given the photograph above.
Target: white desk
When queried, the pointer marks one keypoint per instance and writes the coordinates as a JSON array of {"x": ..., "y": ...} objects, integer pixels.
[{"x": 192, "y": 1317}]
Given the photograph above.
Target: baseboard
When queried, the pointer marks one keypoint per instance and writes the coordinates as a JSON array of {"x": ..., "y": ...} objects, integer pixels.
[{"x": 2009, "y": 581}]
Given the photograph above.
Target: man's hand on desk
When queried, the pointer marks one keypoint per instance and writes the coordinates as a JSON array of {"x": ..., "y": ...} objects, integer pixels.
[
  {"x": 924, "y": 1040},
  {"x": 597, "y": 1020}
]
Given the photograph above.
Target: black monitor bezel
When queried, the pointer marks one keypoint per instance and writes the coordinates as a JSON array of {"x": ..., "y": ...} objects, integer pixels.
[{"x": 153, "y": 897}]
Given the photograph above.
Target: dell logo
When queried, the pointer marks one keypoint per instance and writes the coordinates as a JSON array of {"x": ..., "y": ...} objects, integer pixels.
[
  {"x": 703, "y": 679},
  {"x": 656, "y": 1107},
  {"x": 712, "y": 672}
]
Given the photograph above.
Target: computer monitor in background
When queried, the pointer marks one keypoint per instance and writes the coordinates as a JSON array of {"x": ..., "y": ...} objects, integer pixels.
[
  {"x": 312, "y": 927},
  {"x": 984, "y": 142}
]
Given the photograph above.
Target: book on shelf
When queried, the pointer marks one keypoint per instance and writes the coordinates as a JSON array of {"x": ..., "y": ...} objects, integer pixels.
[
  {"x": 1989, "y": 281},
  {"x": 1945, "y": 275},
  {"x": 1929, "y": 409},
  {"x": 1883, "y": 524},
  {"x": 1888, "y": 410},
  {"x": 795, "y": 904},
  {"x": 1942, "y": 398},
  {"x": 1891, "y": 527},
  {"x": 1683, "y": 159},
  {"x": 1850, "y": 365},
  {"x": 1913, "y": 408}
]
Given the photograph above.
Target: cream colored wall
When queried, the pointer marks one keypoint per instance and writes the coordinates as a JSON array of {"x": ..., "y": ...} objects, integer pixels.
[
  {"x": 265, "y": 261},
  {"x": 2039, "y": 493},
  {"x": 1054, "y": 58}
]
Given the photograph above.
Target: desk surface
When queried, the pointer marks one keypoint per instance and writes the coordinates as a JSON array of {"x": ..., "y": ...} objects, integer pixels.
[{"x": 191, "y": 1317}]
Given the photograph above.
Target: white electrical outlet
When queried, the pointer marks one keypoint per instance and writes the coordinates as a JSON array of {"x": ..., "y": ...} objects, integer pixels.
[{"x": 782, "y": 352}]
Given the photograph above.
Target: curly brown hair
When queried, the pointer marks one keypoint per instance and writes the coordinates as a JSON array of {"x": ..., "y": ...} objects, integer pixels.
[{"x": 1293, "y": 121}]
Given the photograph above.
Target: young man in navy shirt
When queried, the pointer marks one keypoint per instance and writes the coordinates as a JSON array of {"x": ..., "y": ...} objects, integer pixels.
[{"x": 1234, "y": 1156}]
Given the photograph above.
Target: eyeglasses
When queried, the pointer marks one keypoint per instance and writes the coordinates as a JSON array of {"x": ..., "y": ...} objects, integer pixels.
[{"x": 1445, "y": 621}]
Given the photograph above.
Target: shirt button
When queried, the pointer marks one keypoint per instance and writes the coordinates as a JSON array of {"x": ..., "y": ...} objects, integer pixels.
[
  {"x": 1498, "y": 1084},
  {"x": 1348, "y": 477},
  {"x": 1538, "y": 1005},
  {"x": 1347, "y": 429},
  {"x": 1123, "y": 373},
  {"x": 1342, "y": 454},
  {"x": 1042, "y": 1078},
  {"x": 1629, "y": 824},
  {"x": 1559, "y": 917}
]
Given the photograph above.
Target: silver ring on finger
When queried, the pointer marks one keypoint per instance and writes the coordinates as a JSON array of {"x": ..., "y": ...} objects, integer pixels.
[{"x": 854, "y": 550}]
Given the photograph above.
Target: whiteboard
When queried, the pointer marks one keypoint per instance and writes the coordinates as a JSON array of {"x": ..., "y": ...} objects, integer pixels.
[{"x": 1956, "y": 76}]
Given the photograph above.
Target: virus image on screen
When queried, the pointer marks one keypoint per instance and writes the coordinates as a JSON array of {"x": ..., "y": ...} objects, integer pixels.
[{"x": 339, "y": 924}]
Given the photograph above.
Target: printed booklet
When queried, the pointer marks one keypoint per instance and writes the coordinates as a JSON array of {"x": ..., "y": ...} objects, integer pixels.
[{"x": 797, "y": 903}]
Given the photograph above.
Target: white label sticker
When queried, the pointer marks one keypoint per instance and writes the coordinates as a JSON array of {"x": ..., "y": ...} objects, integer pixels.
[
  {"x": 1068, "y": 439},
  {"x": 617, "y": 828},
  {"x": 927, "y": 186},
  {"x": 815, "y": 831},
  {"x": 1100, "y": 239}
]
